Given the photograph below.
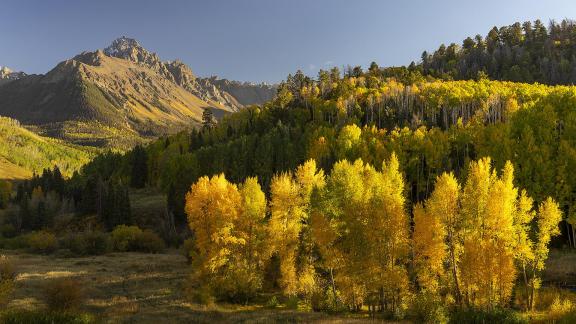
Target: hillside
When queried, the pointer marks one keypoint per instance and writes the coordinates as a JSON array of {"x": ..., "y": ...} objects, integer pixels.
[
  {"x": 433, "y": 127},
  {"x": 23, "y": 153},
  {"x": 115, "y": 97},
  {"x": 93, "y": 88}
]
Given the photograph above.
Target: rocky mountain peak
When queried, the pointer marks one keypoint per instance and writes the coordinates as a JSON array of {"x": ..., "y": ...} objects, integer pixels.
[
  {"x": 208, "y": 89},
  {"x": 129, "y": 49},
  {"x": 123, "y": 47}
]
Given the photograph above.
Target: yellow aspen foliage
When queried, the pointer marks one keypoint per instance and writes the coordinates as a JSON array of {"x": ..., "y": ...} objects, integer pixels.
[
  {"x": 286, "y": 215},
  {"x": 212, "y": 206},
  {"x": 429, "y": 249},
  {"x": 363, "y": 221},
  {"x": 475, "y": 196},
  {"x": 348, "y": 142},
  {"x": 388, "y": 232},
  {"x": 308, "y": 177},
  {"x": 523, "y": 246},
  {"x": 250, "y": 224},
  {"x": 229, "y": 235},
  {"x": 548, "y": 217},
  {"x": 498, "y": 242},
  {"x": 444, "y": 204}
]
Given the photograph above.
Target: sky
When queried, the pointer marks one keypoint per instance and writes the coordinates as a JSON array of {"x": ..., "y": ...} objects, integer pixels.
[{"x": 255, "y": 40}]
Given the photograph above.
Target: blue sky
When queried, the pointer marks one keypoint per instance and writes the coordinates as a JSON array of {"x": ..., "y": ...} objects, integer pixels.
[{"x": 255, "y": 40}]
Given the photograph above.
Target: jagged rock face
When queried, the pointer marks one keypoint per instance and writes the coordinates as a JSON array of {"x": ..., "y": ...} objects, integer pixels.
[
  {"x": 130, "y": 49},
  {"x": 221, "y": 91},
  {"x": 7, "y": 75}
]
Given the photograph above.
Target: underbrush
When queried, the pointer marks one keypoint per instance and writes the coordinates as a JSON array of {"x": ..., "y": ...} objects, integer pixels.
[
  {"x": 7, "y": 280},
  {"x": 45, "y": 317},
  {"x": 64, "y": 294},
  {"x": 482, "y": 316},
  {"x": 87, "y": 243},
  {"x": 132, "y": 238},
  {"x": 122, "y": 239}
]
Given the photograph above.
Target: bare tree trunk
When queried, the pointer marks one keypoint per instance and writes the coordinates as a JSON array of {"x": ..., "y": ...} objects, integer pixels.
[{"x": 526, "y": 290}]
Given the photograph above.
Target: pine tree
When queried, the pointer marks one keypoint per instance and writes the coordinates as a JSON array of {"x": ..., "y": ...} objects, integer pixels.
[
  {"x": 208, "y": 119},
  {"x": 139, "y": 163},
  {"x": 5, "y": 193}
]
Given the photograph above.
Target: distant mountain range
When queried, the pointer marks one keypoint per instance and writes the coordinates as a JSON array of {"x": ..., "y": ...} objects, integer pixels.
[{"x": 117, "y": 96}]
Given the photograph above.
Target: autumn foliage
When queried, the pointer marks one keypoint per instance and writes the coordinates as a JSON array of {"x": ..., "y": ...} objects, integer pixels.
[{"x": 353, "y": 237}]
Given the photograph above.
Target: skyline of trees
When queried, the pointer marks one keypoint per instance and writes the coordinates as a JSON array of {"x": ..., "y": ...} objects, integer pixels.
[{"x": 522, "y": 52}]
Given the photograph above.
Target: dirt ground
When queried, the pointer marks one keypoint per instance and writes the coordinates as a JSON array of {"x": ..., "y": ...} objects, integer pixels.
[{"x": 140, "y": 288}]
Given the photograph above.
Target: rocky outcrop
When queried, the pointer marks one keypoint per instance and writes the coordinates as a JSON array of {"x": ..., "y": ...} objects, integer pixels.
[
  {"x": 231, "y": 94},
  {"x": 7, "y": 75}
]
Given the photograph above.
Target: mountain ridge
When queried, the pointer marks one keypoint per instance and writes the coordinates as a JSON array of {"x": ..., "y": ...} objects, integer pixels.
[{"x": 123, "y": 87}]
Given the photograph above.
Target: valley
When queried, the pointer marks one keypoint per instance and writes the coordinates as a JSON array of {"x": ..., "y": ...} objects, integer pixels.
[{"x": 134, "y": 191}]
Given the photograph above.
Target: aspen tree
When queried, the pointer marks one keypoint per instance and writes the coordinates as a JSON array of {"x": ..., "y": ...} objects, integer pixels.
[
  {"x": 251, "y": 225},
  {"x": 444, "y": 204},
  {"x": 548, "y": 217},
  {"x": 213, "y": 207},
  {"x": 284, "y": 228},
  {"x": 309, "y": 178},
  {"x": 429, "y": 250},
  {"x": 476, "y": 266}
]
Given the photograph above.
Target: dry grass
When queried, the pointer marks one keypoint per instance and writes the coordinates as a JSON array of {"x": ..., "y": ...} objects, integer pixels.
[{"x": 140, "y": 288}]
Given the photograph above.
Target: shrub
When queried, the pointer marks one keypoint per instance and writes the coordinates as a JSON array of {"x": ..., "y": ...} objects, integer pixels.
[
  {"x": 42, "y": 317},
  {"x": 238, "y": 284},
  {"x": 560, "y": 308},
  {"x": 198, "y": 292},
  {"x": 188, "y": 249},
  {"x": 324, "y": 300},
  {"x": 131, "y": 238},
  {"x": 427, "y": 308},
  {"x": 42, "y": 242},
  {"x": 480, "y": 316},
  {"x": 292, "y": 302},
  {"x": 149, "y": 242},
  {"x": 124, "y": 237},
  {"x": 549, "y": 298},
  {"x": 272, "y": 303},
  {"x": 63, "y": 294},
  {"x": 18, "y": 242},
  {"x": 8, "y": 230},
  {"x": 7, "y": 280},
  {"x": 88, "y": 243}
]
